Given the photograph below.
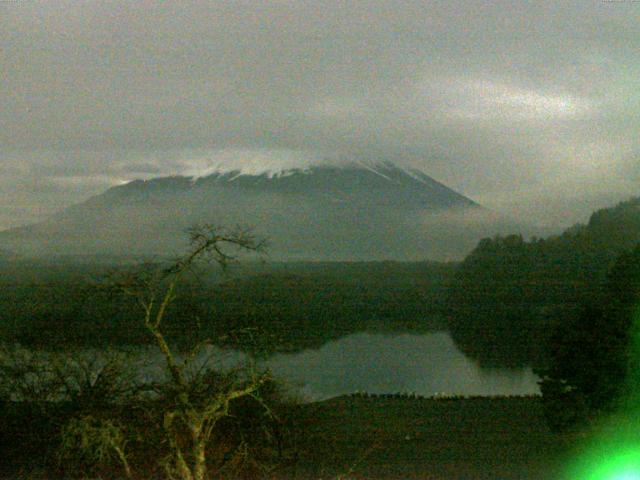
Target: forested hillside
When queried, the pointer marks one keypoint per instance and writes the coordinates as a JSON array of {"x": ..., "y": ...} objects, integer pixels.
[
  {"x": 593, "y": 358},
  {"x": 289, "y": 306},
  {"x": 509, "y": 293}
]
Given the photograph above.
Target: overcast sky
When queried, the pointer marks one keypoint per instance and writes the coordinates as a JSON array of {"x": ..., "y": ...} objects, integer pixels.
[{"x": 529, "y": 108}]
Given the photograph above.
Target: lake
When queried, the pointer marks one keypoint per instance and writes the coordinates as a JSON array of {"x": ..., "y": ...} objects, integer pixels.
[{"x": 425, "y": 364}]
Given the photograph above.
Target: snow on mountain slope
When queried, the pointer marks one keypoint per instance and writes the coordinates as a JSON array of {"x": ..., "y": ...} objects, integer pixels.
[{"x": 352, "y": 211}]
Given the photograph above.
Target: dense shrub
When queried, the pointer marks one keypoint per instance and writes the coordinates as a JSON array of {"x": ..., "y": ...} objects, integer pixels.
[{"x": 594, "y": 358}]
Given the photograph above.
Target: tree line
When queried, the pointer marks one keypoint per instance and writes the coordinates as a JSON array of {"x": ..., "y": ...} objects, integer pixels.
[
  {"x": 509, "y": 293},
  {"x": 569, "y": 305}
]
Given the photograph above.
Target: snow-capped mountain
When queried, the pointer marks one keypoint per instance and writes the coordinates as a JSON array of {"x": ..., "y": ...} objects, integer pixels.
[{"x": 356, "y": 211}]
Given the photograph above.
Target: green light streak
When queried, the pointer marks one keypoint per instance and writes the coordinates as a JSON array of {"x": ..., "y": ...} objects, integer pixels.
[
  {"x": 613, "y": 450},
  {"x": 621, "y": 466}
]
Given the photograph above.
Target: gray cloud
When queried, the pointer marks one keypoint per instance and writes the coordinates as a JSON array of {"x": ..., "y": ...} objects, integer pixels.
[{"x": 520, "y": 105}]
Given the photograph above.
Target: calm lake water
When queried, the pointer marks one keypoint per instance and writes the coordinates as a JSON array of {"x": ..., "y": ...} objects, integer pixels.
[{"x": 426, "y": 364}]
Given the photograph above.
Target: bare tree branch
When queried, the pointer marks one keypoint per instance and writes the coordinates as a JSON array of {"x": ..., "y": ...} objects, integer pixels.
[{"x": 197, "y": 412}]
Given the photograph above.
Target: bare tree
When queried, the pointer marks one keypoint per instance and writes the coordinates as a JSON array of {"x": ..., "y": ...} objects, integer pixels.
[
  {"x": 194, "y": 406},
  {"x": 95, "y": 441}
]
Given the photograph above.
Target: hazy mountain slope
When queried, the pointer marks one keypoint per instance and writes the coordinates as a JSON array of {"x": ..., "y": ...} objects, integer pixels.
[{"x": 353, "y": 212}]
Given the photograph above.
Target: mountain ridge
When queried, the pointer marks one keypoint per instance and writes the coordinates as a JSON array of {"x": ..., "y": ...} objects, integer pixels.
[{"x": 356, "y": 211}]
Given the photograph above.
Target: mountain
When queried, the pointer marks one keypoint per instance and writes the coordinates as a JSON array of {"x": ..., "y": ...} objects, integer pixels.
[{"x": 357, "y": 211}]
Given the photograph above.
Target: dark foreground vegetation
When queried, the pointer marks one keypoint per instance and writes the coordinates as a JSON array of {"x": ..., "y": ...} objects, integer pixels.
[
  {"x": 444, "y": 439},
  {"x": 72, "y": 439},
  {"x": 593, "y": 360},
  {"x": 105, "y": 423},
  {"x": 346, "y": 437}
]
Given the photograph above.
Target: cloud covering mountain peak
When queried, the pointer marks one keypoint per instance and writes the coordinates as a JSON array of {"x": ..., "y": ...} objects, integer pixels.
[{"x": 339, "y": 211}]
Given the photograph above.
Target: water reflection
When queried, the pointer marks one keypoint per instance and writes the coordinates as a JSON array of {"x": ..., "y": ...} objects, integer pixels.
[{"x": 426, "y": 364}]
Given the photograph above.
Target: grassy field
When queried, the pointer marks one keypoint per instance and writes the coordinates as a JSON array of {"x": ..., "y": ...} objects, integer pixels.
[{"x": 404, "y": 438}]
